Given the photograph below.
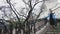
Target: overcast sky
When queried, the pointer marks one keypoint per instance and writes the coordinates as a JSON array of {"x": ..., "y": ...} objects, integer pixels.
[
  {"x": 59, "y": 1},
  {"x": 19, "y": 4}
]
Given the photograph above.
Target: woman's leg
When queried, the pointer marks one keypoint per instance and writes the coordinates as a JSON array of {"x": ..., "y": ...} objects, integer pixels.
[{"x": 52, "y": 27}]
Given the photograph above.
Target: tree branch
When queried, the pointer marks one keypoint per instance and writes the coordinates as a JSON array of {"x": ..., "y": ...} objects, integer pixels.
[
  {"x": 31, "y": 9},
  {"x": 25, "y": 2},
  {"x": 55, "y": 8},
  {"x": 21, "y": 15},
  {"x": 13, "y": 9},
  {"x": 29, "y": 12},
  {"x": 37, "y": 3}
]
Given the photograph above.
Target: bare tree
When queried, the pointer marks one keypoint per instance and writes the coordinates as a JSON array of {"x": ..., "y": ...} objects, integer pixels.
[
  {"x": 29, "y": 3},
  {"x": 31, "y": 8}
]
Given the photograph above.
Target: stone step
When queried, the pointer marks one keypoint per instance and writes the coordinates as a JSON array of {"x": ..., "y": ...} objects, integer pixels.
[{"x": 53, "y": 32}]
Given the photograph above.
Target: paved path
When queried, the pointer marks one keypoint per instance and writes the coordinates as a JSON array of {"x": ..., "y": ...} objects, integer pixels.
[{"x": 43, "y": 30}]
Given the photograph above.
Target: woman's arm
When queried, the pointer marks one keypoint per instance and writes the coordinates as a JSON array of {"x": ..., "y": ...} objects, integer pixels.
[{"x": 48, "y": 16}]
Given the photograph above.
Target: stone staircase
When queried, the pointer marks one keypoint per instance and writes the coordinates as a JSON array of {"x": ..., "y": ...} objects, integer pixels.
[{"x": 55, "y": 31}]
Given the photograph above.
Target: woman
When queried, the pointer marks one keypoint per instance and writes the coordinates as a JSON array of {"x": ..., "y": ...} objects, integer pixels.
[{"x": 52, "y": 19}]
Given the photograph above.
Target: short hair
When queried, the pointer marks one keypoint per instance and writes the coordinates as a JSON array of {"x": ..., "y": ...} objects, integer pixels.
[{"x": 50, "y": 10}]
